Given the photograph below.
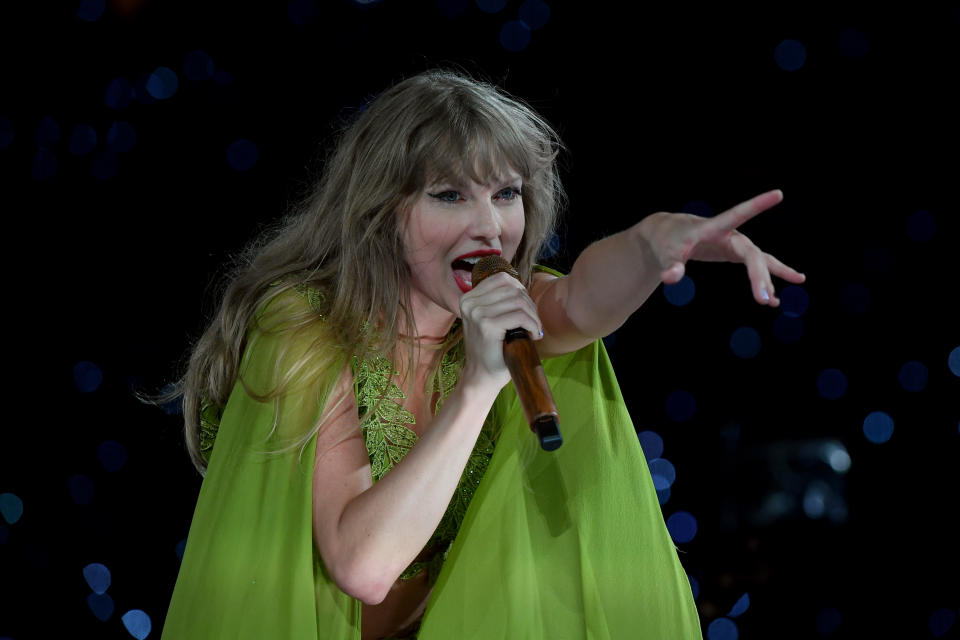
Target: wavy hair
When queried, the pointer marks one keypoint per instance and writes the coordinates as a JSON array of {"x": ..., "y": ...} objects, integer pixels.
[{"x": 345, "y": 237}]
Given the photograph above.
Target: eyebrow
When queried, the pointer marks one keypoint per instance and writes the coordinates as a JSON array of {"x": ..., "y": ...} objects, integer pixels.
[{"x": 458, "y": 183}]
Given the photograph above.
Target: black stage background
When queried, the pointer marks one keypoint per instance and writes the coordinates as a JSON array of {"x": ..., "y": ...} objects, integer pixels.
[{"x": 113, "y": 243}]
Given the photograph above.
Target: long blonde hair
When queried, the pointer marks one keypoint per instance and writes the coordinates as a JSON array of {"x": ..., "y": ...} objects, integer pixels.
[{"x": 344, "y": 238}]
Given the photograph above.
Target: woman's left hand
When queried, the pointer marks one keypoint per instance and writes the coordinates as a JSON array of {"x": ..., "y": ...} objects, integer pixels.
[{"x": 674, "y": 238}]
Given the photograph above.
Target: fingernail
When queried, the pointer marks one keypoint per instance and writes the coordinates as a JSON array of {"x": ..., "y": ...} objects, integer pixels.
[
  {"x": 764, "y": 294},
  {"x": 541, "y": 333}
]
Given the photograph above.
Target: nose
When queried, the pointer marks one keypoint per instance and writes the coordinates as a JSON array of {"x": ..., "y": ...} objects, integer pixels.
[{"x": 485, "y": 223}]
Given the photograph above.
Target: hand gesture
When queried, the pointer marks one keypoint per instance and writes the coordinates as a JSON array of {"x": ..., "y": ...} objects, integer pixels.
[{"x": 675, "y": 238}]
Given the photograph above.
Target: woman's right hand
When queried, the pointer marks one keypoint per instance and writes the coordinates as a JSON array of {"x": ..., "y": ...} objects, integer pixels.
[{"x": 496, "y": 305}]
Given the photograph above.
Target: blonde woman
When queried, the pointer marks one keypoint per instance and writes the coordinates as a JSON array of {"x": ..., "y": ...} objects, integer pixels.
[{"x": 368, "y": 471}]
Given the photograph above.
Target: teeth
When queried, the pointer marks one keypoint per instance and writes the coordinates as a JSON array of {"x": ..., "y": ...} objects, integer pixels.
[{"x": 472, "y": 260}]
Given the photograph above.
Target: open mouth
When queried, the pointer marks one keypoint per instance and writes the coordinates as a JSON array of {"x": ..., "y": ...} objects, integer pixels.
[{"x": 463, "y": 268}]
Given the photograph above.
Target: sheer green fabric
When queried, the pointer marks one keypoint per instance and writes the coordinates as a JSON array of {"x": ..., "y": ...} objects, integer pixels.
[{"x": 566, "y": 544}]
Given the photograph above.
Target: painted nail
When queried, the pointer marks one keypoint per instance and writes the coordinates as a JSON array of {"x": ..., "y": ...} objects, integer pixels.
[
  {"x": 541, "y": 333},
  {"x": 764, "y": 294}
]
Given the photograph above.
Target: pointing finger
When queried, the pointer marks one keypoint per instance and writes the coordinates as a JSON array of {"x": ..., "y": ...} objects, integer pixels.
[{"x": 736, "y": 216}]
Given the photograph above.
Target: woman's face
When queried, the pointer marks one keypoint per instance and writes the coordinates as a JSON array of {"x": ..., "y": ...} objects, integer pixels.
[{"x": 451, "y": 226}]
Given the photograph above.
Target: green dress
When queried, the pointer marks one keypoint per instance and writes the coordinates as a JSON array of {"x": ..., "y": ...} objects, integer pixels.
[{"x": 563, "y": 544}]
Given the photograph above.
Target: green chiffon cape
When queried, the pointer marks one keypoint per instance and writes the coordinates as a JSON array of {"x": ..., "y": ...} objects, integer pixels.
[{"x": 563, "y": 544}]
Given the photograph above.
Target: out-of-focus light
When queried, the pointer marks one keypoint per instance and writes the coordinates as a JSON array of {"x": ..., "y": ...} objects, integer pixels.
[
  {"x": 856, "y": 297},
  {"x": 794, "y": 300},
  {"x": 941, "y": 621},
  {"x": 745, "y": 342},
  {"x": 832, "y": 384},
  {"x": 953, "y": 361},
  {"x": 119, "y": 93},
  {"x": 834, "y": 454},
  {"x": 82, "y": 140},
  {"x": 179, "y": 548},
  {"x": 452, "y": 8},
  {"x": 681, "y": 293},
  {"x": 91, "y": 10},
  {"x": 491, "y": 6},
  {"x": 97, "y": 576},
  {"x": 698, "y": 208},
  {"x": 11, "y": 507},
  {"x": 550, "y": 247},
  {"x": 137, "y": 623},
  {"x": 121, "y": 137},
  {"x": 853, "y": 43},
  {"x": 682, "y": 526},
  {"x": 101, "y": 605},
  {"x": 198, "y": 65},
  {"x": 814, "y": 501},
  {"x": 787, "y": 329},
  {"x": 87, "y": 376},
  {"x": 681, "y": 406},
  {"x": 514, "y": 36},
  {"x": 6, "y": 133},
  {"x": 140, "y": 93},
  {"x": 740, "y": 607},
  {"x": 878, "y": 260},
  {"x": 828, "y": 621},
  {"x": 790, "y": 55},
  {"x": 534, "y": 13},
  {"x": 921, "y": 226},
  {"x": 913, "y": 376},
  {"x": 694, "y": 586},
  {"x": 162, "y": 83},
  {"x": 302, "y": 12},
  {"x": 663, "y": 473},
  {"x": 81, "y": 489},
  {"x": 663, "y": 495},
  {"x": 651, "y": 443},
  {"x": 722, "y": 629},
  {"x": 48, "y": 132},
  {"x": 112, "y": 454},
  {"x": 242, "y": 155},
  {"x": 878, "y": 427}
]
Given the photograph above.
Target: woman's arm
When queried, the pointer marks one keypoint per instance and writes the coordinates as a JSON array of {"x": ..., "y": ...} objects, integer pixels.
[{"x": 615, "y": 275}]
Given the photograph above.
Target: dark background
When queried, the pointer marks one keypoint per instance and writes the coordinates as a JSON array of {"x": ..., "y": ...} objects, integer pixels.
[{"x": 112, "y": 257}]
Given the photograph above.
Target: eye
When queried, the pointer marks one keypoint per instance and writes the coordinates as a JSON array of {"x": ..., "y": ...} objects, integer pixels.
[
  {"x": 508, "y": 193},
  {"x": 446, "y": 196}
]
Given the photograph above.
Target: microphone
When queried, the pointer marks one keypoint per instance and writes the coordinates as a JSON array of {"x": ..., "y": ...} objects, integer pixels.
[{"x": 525, "y": 368}]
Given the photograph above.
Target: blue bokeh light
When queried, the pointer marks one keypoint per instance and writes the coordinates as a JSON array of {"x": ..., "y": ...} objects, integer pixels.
[
  {"x": 81, "y": 489},
  {"x": 140, "y": 93},
  {"x": 787, "y": 329},
  {"x": 6, "y": 133},
  {"x": 740, "y": 606},
  {"x": 112, "y": 455},
  {"x": 790, "y": 55},
  {"x": 681, "y": 406},
  {"x": 97, "y": 576},
  {"x": 101, "y": 605},
  {"x": 452, "y": 8},
  {"x": 651, "y": 443},
  {"x": 491, "y": 6},
  {"x": 179, "y": 548},
  {"x": 48, "y": 132},
  {"x": 198, "y": 65},
  {"x": 534, "y": 13},
  {"x": 681, "y": 293},
  {"x": 137, "y": 623},
  {"x": 794, "y": 301},
  {"x": 722, "y": 629},
  {"x": 913, "y": 376},
  {"x": 514, "y": 36},
  {"x": 828, "y": 621},
  {"x": 878, "y": 427},
  {"x": 119, "y": 94},
  {"x": 663, "y": 473},
  {"x": 921, "y": 226},
  {"x": 87, "y": 376},
  {"x": 853, "y": 43},
  {"x": 953, "y": 361},
  {"x": 941, "y": 621},
  {"x": 745, "y": 342},
  {"x": 832, "y": 384},
  {"x": 694, "y": 586},
  {"x": 11, "y": 507},
  {"x": 682, "y": 526},
  {"x": 302, "y": 12},
  {"x": 91, "y": 10},
  {"x": 162, "y": 83},
  {"x": 104, "y": 165},
  {"x": 856, "y": 297},
  {"x": 815, "y": 501},
  {"x": 121, "y": 136},
  {"x": 82, "y": 140},
  {"x": 242, "y": 155},
  {"x": 663, "y": 495},
  {"x": 550, "y": 247}
]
